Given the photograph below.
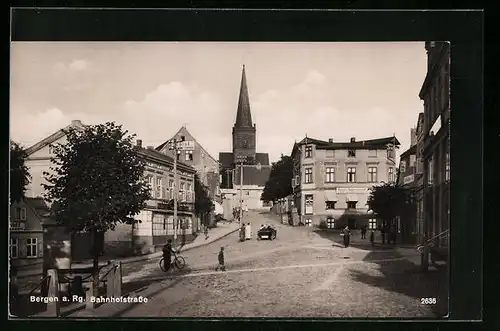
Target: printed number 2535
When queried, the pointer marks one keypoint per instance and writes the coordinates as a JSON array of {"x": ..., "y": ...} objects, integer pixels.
[{"x": 428, "y": 301}]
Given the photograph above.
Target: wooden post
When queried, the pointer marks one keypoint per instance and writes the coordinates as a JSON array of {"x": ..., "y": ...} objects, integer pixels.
[
  {"x": 110, "y": 281},
  {"x": 53, "y": 307},
  {"x": 117, "y": 276},
  {"x": 89, "y": 296}
]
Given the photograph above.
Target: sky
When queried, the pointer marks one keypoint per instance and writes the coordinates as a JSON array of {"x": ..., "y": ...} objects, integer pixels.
[{"x": 324, "y": 90}]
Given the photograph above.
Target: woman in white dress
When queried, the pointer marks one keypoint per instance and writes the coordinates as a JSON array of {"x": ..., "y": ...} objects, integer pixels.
[{"x": 248, "y": 231}]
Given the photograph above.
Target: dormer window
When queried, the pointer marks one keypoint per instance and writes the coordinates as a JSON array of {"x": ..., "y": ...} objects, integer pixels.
[
  {"x": 351, "y": 153},
  {"x": 309, "y": 150}
]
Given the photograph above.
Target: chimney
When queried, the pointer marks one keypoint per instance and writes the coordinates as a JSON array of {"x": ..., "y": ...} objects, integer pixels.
[
  {"x": 151, "y": 147},
  {"x": 76, "y": 122},
  {"x": 330, "y": 140},
  {"x": 353, "y": 139},
  {"x": 139, "y": 143}
]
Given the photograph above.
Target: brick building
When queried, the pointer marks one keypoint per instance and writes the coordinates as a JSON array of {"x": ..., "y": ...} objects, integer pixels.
[
  {"x": 332, "y": 179},
  {"x": 256, "y": 167},
  {"x": 435, "y": 93}
]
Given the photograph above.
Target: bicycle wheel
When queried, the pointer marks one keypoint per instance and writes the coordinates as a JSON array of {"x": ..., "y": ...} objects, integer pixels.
[
  {"x": 180, "y": 263},
  {"x": 162, "y": 265}
]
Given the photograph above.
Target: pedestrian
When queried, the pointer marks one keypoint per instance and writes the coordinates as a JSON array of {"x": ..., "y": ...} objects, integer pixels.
[
  {"x": 221, "y": 265},
  {"x": 167, "y": 255},
  {"x": 372, "y": 237},
  {"x": 242, "y": 232},
  {"x": 206, "y": 232},
  {"x": 248, "y": 231},
  {"x": 363, "y": 232},
  {"x": 346, "y": 234}
]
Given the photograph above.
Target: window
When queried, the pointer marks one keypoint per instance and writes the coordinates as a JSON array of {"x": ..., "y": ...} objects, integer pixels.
[
  {"x": 447, "y": 167},
  {"x": 189, "y": 156},
  {"x": 297, "y": 180},
  {"x": 178, "y": 155},
  {"x": 159, "y": 188},
  {"x": 330, "y": 205},
  {"x": 21, "y": 214},
  {"x": 351, "y": 175},
  {"x": 372, "y": 223},
  {"x": 390, "y": 152},
  {"x": 151, "y": 185},
  {"x": 31, "y": 247},
  {"x": 308, "y": 222},
  {"x": 293, "y": 182},
  {"x": 351, "y": 153},
  {"x": 330, "y": 223},
  {"x": 372, "y": 174},
  {"x": 330, "y": 175},
  {"x": 413, "y": 160},
  {"x": 391, "y": 174},
  {"x": 372, "y": 153},
  {"x": 430, "y": 172},
  {"x": 330, "y": 153},
  {"x": 309, "y": 201},
  {"x": 14, "y": 248},
  {"x": 17, "y": 225},
  {"x": 351, "y": 204},
  {"x": 309, "y": 150},
  {"x": 402, "y": 166},
  {"x": 308, "y": 176},
  {"x": 51, "y": 150}
]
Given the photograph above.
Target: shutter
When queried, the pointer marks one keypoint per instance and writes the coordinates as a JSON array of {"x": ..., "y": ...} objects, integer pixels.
[{"x": 40, "y": 248}]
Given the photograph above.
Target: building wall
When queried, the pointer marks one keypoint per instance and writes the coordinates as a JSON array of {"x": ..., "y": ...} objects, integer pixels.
[
  {"x": 359, "y": 190},
  {"x": 251, "y": 196}
]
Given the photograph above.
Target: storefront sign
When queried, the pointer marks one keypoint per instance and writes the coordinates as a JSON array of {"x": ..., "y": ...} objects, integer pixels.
[
  {"x": 186, "y": 145},
  {"x": 408, "y": 179},
  {"x": 344, "y": 190}
]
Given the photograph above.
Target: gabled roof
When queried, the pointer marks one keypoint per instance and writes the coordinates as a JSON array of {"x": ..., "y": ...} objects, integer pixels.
[
  {"x": 158, "y": 156},
  {"x": 252, "y": 176},
  {"x": 38, "y": 206},
  {"x": 226, "y": 159},
  {"x": 409, "y": 151},
  {"x": 362, "y": 144},
  {"x": 183, "y": 129},
  {"x": 262, "y": 158},
  {"x": 53, "y": 137}
]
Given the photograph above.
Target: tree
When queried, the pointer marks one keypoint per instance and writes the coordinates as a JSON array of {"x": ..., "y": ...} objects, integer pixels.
[
  {"x": 389, "y": 201},
  {"x": 19, "y": 172},
  {"x": 97, "y": 182},
  {"x": 279, "y": 184},
  {"x": 202, "y": 204}
]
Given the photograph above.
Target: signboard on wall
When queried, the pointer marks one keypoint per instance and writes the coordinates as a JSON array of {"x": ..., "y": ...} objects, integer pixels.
[
  {"x": 352, "y": 190},
  {"x": 185, "y": 145}
]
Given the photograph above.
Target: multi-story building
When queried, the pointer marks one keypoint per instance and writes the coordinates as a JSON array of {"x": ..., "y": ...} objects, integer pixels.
[
  {"x": 157, "y": 217},
  {"x": 206, "y": 166},
  {"x": 419, "y": 179},
  {"x": 409, "y": 179},
  {"x": 435, "y": 93},
  {"x": 25, "y": 231},
  {"x": 332, "y": 180}
]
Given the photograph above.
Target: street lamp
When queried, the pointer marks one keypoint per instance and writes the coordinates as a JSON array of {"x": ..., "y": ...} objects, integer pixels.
[{"x": 173, "y": 145}]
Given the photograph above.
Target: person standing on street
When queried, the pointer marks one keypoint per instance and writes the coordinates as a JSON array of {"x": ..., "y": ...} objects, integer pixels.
[
  {"x": 347, "y": 234},
  {"x": 167, "y": 255},
  {"x": 221, "y": 265}
]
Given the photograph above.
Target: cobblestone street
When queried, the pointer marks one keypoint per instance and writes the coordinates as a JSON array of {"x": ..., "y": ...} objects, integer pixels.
[{"x": 298, "y": 274}]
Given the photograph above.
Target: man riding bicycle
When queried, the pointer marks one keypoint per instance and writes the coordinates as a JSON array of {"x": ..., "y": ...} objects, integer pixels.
[{"x": 167, "y": 254}]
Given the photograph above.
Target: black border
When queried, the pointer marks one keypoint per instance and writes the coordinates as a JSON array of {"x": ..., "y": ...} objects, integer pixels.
[{"x": 463, "y": 28}]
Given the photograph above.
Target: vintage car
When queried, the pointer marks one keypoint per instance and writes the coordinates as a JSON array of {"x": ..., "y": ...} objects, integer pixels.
[{"x": 267, "y": 232}]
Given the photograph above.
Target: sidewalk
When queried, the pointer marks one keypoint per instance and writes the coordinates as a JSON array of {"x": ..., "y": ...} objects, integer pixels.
[{"x": 223, "y": 229}]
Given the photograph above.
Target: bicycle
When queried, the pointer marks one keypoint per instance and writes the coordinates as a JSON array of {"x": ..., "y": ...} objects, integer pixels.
[{"x": 178, "y": 262}]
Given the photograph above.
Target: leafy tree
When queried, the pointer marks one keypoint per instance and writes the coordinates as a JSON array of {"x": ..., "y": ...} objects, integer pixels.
[
  {"x": 202, "y": 204},
  {"x": 19, "y": 172},
  {"x": 97, "y": 182},
  {"x": 389, "y": 201},
  {"x": 279, "y": 184}
]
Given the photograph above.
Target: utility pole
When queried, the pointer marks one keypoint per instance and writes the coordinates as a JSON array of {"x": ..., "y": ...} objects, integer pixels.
[
  {"x": 173, "y": 146},
  {"x": 241, "y": 192}
]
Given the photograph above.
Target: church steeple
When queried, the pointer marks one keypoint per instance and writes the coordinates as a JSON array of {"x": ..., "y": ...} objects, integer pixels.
[{"x": 243, "y": 116}]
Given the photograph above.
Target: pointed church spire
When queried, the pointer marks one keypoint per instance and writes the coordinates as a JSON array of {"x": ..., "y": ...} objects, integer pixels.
[{"x": 243, "y": 116}]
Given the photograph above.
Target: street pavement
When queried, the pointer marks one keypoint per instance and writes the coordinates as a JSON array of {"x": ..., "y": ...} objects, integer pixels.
[{"x": 300, "y": 274}]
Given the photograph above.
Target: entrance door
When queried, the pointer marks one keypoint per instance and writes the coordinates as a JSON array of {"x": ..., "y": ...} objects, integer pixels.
[{"x": 351, "y": 222}]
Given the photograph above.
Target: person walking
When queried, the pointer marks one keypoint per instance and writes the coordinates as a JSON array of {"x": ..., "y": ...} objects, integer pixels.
[
  {"x": 221, "y": 265},
  {"x": 363, "y": 232},
  {"x": 372, "y": 237}
]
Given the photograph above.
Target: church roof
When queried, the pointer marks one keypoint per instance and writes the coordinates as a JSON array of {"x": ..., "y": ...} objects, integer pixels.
[
  {"x": 252, "y": 175},
  {"x": 243, "y": 115}
]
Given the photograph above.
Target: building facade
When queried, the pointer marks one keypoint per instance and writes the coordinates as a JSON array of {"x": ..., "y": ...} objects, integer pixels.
[
  {"x": 25, "y": 231},
  {"x": 435, "y": 93},
  {"x": 419, "y": 178},
  {"x": 244, "y": 157},
  {"x": 332, "y": 180},
  {"x": 157, "y": 217}
]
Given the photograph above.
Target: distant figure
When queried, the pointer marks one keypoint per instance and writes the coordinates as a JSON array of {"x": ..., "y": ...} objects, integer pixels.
[
  {"x": 221, "y": 265},
  {"x": 347, "y": 236},
  {"x": 372, "y": 237},
  {"x": 242, "y": 232},
  {"x": 382, "y": 232},
  {"x": 248, "y": 231},
  {"x": 363, "y": 232},
  {"x": 246, "y": 209}
]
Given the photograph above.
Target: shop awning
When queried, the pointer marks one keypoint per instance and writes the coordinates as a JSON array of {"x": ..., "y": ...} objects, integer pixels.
[
  {"x": 330, "y": 196},
  {"x": 352, "y": 197}
]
